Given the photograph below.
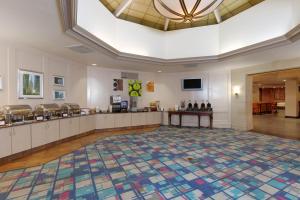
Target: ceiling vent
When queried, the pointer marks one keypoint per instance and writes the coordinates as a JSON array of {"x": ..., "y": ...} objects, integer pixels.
[
  {"x": 127, "y": 75},
  {"x": 79, "y": 48}
]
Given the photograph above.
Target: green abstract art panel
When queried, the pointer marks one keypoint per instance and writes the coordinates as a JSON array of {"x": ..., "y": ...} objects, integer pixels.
[{"x": 135, "y": 88}]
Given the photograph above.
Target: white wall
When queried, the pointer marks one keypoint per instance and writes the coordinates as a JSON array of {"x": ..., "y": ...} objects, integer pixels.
[
  {"x": 14, "y": 57},
  {"x": 265, "y": 21},
  {"x": 257, "y": 24},
  {"x": 193, "y": 42},
  {"x": 100, "y": 87},
  {"x": 216, "y": 89}
]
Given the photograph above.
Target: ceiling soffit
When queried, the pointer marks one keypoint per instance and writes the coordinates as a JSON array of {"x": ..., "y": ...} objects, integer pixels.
[{"x": 68, "y": 11}]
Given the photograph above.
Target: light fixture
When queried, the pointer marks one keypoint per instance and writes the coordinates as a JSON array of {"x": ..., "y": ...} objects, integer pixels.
[
  {"x": 159, "y": 71},
  {"x": 94, "y": 64},
  {"x": 236, "y": 90},
  {"x": 1, "y": 83},
  {"x": 284, "y": 80},
  {"x": 185, "y": 10}
]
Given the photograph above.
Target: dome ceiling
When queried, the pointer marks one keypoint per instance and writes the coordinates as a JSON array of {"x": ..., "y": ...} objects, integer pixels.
[{"x": 143, "y": 12}]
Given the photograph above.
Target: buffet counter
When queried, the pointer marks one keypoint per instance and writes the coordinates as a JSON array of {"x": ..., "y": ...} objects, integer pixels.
[{"x": 23, "y": 137}]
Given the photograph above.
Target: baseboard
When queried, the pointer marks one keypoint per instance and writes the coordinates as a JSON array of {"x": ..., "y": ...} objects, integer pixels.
[{"x": 292, "y": 117}]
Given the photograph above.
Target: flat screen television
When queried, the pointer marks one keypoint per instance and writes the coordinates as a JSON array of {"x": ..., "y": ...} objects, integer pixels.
[{"x": 192, "y": 84}]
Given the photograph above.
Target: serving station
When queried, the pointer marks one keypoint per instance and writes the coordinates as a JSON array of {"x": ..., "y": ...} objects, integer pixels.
[
  {"x": 192, "y": 110},
  {"x": 25, "y": 131},
  {"x": 199, "y": 114}
]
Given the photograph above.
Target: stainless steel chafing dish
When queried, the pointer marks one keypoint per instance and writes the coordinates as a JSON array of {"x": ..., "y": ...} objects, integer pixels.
[
  {"x": 17, "y": 113},
  {"x": 2, "y": 118},
  {"x": 47, "y": 111},
  {"x": 70, "y": 109}
]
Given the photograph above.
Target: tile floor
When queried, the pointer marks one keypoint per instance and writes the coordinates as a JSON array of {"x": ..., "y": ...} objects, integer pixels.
[{"x": 277, "y": 124}]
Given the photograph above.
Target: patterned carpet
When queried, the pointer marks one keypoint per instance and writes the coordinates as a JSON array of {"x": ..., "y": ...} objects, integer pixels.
[{"x": 169, "y": 163}]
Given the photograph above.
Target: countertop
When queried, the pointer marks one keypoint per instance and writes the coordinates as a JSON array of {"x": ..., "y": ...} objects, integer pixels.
[{"x": 60, "y": 118}]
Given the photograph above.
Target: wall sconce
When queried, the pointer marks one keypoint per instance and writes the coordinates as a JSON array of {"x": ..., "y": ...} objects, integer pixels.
[
  {"x": 236, "y": 90},
  {"x": 1, "y": 83}
]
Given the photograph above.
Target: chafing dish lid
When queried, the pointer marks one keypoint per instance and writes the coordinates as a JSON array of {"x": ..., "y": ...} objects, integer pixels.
[
  {"x": 71, "y": 106},
  {"x": 47, "y": 107},
  {"x": 17, "y": 109}
]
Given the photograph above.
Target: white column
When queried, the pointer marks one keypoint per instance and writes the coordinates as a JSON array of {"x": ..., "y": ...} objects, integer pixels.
[{"x": 291, "y": 98}]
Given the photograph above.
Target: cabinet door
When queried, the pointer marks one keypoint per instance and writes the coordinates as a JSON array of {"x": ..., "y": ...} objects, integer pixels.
[
  {"x": 64, "y": 128},
  {"x": 157, "y": 117},
  {"x": 99, "y": 121},
  {"x": 5, "y": 142},
  {"x": 52, "y": 131},
  {"x": 92, "y": 122},
  {"x": 84, "y": 124},
  {"x": 87, "y": 123},
  {"x": 109, "y": 121},
  {"x": 138, "y": 119},
  {"x": 122, "y": 120},
  {"x": 21, "y": 138},
  {"x": 74, "y": 126},
  {"x": 38, "y": 133},
  {"x": 150, "y": 118}
]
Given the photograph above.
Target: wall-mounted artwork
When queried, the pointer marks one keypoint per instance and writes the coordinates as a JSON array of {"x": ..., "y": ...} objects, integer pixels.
[
  {"x": 59, "y": 95},
  {"x": 30, "y": 85},
  {"x": 150, "y": 86},
  {"x": 118, "y": 85},
  {"x": 59, "y": 81},
  {"x": 135, "y": 88}
]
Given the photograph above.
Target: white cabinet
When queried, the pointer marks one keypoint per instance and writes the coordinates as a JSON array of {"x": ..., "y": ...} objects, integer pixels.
[
  {"x": 150, "y": 118},
  {"x": 83, "y": 124},
  {"x": 5, "y": 142},
  {"x": 69, "y": 127},
  {"x": 122, "y": 120},
  {"x": 74, "y": 125},
  {"x": 64, "y": 128},
  {"x": 38, "y": 134},
  {"x": 87, "y": 123},
  {"x": 157, "y": 117},
  {"x": 52, "y": 131},
  {"x": 91, "y": 122},
  {"x": 104, "y": 121},
  {"x": 138, "y": 119},
  {"x": 21, "y": 138},
  {"x": 153, "y": 118},
  {"x": 44, "y": 133}
]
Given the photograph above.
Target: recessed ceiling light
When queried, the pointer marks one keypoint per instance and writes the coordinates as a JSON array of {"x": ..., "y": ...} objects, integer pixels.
[
  {"x": 94, "y": 64},
  {"x": 284, "y": 80},
  {"x": 159, "y": 71}
]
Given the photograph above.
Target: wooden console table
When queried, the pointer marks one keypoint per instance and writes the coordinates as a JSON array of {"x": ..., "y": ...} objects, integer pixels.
[{"x": 199, "y": 114}]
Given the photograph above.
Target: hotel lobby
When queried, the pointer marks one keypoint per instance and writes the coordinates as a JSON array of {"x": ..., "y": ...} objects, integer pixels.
[{"x": 150, "y": 99}]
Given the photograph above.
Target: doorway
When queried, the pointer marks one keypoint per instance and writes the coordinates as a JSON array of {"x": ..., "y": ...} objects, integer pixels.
[{"x": 276, "y": 102}]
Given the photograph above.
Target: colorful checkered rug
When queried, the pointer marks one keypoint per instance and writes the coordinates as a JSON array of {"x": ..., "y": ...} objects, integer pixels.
[{"x": 169, "y": 163}]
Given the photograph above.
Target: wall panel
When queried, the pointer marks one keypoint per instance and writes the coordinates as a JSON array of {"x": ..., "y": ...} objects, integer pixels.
[{"x": 15, "y": 57}]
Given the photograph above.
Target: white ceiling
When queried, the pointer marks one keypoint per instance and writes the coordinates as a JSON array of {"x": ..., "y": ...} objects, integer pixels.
[{"x": 37, "y": 23}]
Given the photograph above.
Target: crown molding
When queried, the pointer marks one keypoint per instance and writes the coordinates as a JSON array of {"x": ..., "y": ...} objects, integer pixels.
[{"x": 68, "y": 9}]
